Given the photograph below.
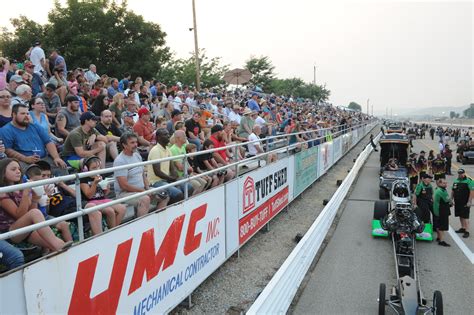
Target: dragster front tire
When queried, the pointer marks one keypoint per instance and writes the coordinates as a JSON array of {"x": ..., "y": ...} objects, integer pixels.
[
  {"x": 382, "y": 290},
  {"x": 437, "y": 303}
]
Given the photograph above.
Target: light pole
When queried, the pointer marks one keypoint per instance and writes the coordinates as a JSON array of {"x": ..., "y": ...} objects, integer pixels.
[
  {"x": 196, "y": 50},
  {"x": 367, "y": 106},
  {"x": 314, "y": 74}
]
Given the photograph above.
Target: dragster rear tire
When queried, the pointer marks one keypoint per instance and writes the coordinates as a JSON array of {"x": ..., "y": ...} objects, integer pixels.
[
  {"x": 380, "y": 209},
  {"x": 437, "y": 303},
  {"x": 382, "y": 291}
]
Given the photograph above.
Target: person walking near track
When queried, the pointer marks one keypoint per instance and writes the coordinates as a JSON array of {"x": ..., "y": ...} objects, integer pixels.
[
  {"x": 423, "y": 197},
  {"x": 462, "y": 194},
  {"x": 441, "y": 211},
  {"x": 448, "y": 155}
]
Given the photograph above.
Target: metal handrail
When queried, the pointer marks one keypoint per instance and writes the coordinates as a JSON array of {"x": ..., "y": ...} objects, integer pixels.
[
  {"x": 64, "y": 178},
  {"x": 80, "y": 212}
]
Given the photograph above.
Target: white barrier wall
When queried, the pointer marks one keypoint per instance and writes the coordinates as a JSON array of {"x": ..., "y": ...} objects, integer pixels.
[{"x": 150, "y": 265}]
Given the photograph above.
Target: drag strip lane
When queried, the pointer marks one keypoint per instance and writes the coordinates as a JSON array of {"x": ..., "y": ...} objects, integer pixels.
[{"x": 347, "y": 276}]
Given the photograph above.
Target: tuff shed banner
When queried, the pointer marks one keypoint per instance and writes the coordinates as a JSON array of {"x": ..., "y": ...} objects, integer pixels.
[
  {"x": 263, "y": 193},
  {"x": 147, "y": 266}
]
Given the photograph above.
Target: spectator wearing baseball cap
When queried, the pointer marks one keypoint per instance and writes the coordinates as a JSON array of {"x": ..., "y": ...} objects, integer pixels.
[
  {"x": 144, "y": 128},
  {"x": 127, "y": 121},
  {"x": 51, "y": 101},
  {"x": 84, "y": 141},
  {"x": 253, "y": 104},
  {"x": 37, "y": 85},
  {"x": 15, "y": 81}
]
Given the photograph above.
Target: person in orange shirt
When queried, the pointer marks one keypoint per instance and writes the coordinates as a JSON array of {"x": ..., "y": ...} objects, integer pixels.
[{"x": 205, "y": 115}]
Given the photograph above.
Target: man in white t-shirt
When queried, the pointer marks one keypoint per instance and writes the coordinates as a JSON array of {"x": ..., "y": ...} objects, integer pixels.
[
  {"x": 260, "y": 120},
  {"x": 178, "y": 100},
  {"x": 190, "y": 100},
  {"x": 38, "y": 58},
  {"x": 133, "y": 180},
  {"x": 256, "y": 147},
  {"x": 234, "y": 115}
]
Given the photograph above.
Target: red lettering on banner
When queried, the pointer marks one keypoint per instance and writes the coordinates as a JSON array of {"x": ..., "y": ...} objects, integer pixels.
[
  {"x": 107, "y": 301},
  {"x": 150, "y": 263},
  {"x": 250, "y": 224},
  {"x": 193, "y": 241},
  {"x": 212, "y": 230}
]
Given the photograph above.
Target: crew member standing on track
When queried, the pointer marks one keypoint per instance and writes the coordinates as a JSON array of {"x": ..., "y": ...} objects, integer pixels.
[
  {"x": 431, "y": 157},
  {"x": 422, "y": 164},
  {"x": 462, "y": 194},
  {"x": 412, "y": 171},
  {"x": 448, "y": 155},
  {"x": 423, "y": 197},
  {"x": 441, "y": 211},
  {"x": 438, "y": 167}
]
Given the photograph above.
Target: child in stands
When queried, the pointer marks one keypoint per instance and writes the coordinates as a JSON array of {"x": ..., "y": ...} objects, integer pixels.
[
  {"x": 20, "y": 209},
  {"x": 33, "y": 173},
  {"x": 62, "y": 200},
  {"x": 95, "y": 190}
]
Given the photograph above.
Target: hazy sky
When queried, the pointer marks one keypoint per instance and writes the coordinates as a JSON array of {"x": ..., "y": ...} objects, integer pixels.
[{"x": 398, "y": 54}]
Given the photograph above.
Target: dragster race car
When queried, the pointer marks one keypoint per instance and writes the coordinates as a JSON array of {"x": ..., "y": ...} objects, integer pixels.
[
  {"x": 397, "y": 219},
  {"x": 399, "y": 194},
  {"x": 392, "y": 146}
]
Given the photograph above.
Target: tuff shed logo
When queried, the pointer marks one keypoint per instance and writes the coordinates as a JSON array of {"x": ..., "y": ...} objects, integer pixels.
[
  {"x": 248, "y": 194},
  {"x": 257, "y": 191},
  {"x": 149, "y": 262}
]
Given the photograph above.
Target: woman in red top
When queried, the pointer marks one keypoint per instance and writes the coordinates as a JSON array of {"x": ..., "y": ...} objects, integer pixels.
[{"x": 18, "y": 209}]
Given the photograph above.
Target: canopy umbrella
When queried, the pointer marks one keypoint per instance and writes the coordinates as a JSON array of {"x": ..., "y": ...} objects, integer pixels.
[{"x": 237, "y": 76}]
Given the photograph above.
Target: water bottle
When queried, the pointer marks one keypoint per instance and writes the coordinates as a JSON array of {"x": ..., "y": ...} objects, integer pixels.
[{"x": 2, "y": 155}]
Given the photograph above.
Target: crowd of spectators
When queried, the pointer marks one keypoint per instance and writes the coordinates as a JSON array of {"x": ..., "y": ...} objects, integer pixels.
[{"x": 62, "y": 120}]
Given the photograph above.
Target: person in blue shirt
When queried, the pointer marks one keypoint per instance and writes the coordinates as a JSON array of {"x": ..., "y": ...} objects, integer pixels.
[
  {"x": 123, "y": 84},
  {"x": 154, "y": 89},
  {"x": 28, "y": 142},
  {"x": 253, "y": 104},
  {"x": 58, "y": 60},
  {"x": 113, "y": 88}
]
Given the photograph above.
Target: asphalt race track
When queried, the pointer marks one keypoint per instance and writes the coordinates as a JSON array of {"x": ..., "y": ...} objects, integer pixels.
[{"x": 346, "y": 278}]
